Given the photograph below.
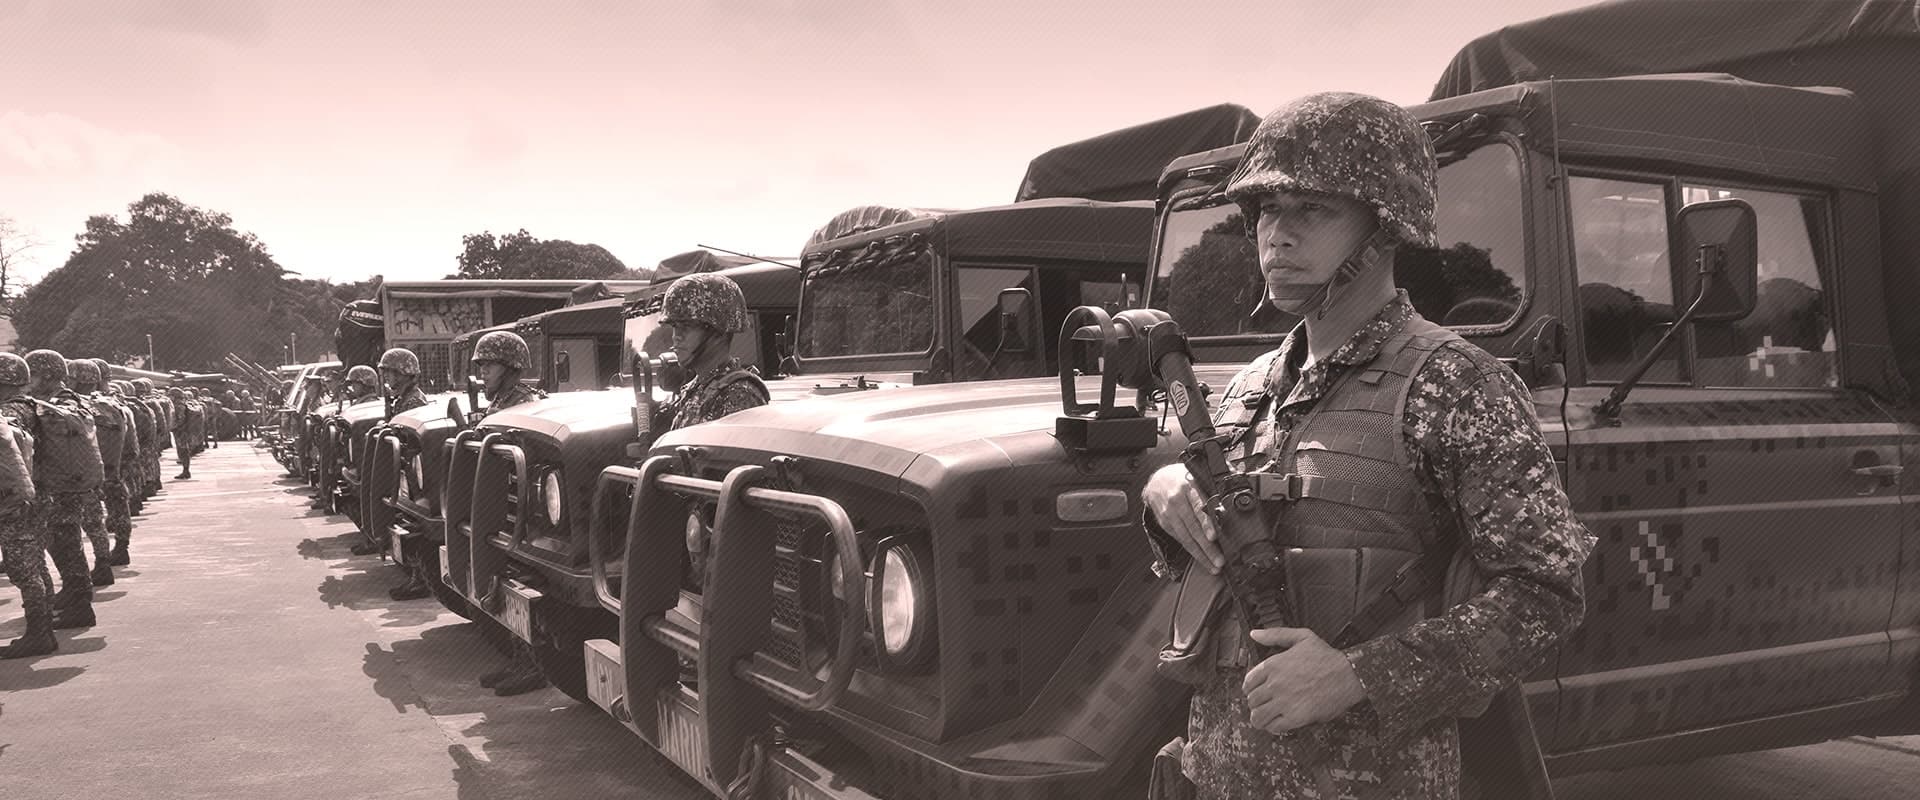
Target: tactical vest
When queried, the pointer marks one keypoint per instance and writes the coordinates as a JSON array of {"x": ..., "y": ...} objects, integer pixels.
[
  {"x": 66, "y": 447},
  {"x": 1342, "y": 494},
  {"x": 16, "y": 460},
  {"x": 701, "y": 400}
]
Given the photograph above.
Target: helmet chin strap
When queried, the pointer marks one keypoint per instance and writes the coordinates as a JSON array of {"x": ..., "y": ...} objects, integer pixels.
[{"x": 1349, "y": 269}]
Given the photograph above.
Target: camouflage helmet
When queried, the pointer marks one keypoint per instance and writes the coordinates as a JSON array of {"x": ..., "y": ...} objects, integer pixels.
[
  {"x": 120, "y": 387},
  {"x": 83, "y": 372},
  {"x": 1346, "y": 145},
  {"x": 47, "y": 362},
  {"x": 141, "y": 386},
  {"x": 505, "y": 347},
  {"x": 363, "y": 374},
  {"x": 401, "y": 360},
  {"x": 106, "y": 370},
  {"x": 14, "y": 371},
  {"x": 714, "y": 300},
  {"x": 175, "y": 393}
]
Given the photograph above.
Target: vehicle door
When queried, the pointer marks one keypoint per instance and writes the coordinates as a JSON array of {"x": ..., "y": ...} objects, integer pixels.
[
  {"x": 575, "y": 365},
  {"x": 1745, "y": 565}
]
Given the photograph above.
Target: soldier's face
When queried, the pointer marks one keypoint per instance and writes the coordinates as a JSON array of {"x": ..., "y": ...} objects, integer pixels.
[
  {"x": 1303, "y": 238},
  {"x": 394, "y": 379},
  {"x": 688, "y": 337},
  {"x": 492, "y": 373}
]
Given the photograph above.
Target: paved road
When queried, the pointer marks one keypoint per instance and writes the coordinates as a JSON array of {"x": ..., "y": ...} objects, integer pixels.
[{"x": 245, "y": 653}]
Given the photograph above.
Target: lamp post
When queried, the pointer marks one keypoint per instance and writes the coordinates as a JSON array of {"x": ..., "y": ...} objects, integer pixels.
[
  {"x": 293, "y": 346},
  {"x": 150, "y": 351}
]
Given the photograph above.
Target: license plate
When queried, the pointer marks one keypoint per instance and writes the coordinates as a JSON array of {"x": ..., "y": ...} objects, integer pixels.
[
  {"x": 606, "y": 681},
  {"x": 516, "y": 609},
  {"x": 789, "y": 776},
  {"x": 397, "y": 543},
  {"x": 446, "y": 569}
]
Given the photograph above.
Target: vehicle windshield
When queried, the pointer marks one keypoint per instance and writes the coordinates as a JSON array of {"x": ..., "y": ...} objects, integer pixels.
[
  {"x": 1208, "y": 279},
  {"x": 868, "y": 309},
  {"x": 646, "y": 334}
]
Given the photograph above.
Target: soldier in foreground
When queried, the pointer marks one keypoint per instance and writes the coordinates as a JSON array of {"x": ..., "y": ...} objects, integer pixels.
[
  {"x": 704, "y": 311},
  {"x": 499, "y": 358},
  {"x": 66, "y": 475},
  {"x": 20, "y": 548},
  {"x": 1332, "y": 185}
]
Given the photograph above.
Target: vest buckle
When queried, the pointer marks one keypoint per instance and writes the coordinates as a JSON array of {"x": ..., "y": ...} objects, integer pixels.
[{"x": 1273, "y": 486}]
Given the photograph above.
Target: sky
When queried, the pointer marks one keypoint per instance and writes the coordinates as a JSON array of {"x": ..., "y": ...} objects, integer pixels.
[{"x": 363, "y": 137}]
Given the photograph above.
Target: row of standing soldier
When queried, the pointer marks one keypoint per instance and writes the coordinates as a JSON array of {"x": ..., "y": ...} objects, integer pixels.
[{"x": 79, "y": 455}]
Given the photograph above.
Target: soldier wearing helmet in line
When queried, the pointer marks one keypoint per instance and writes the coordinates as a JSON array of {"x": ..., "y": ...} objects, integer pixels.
[
  {"x": 499, "y": 357},
  {"x": 400, "y": 374},
  {"x": 141, "y": 476},
  {"x": 67, "y": 474},
  {"x": 162, "y": 431},
  {"x": 112, "y": 429},
  {"x": 131, "y": 465},
  {"x": 362, "y": 383},
  {"x": 705, "y": 311},
  {"x": 1332, "y": 704},
  {"x": 183, "y": 416},
  {"x": 21, "y": 550}
]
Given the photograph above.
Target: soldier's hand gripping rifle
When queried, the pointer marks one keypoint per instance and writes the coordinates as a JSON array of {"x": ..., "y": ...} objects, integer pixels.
[{"x": 1154, "y": 354}]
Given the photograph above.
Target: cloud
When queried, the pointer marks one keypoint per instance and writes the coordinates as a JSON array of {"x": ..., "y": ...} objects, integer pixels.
[
  {"x": 234, "y": 23},
  {"x": 59, "y": 144}
]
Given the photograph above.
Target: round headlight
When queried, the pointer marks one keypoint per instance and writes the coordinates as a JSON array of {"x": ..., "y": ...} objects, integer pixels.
[
  {"x": 556, "y": 502},
  {"x": 897, "y": 606}
]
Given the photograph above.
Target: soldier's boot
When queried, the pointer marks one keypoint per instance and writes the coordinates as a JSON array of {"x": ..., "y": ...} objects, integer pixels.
[
  {"x": 119, "y": 557},
  {"x": 70, "y": 596},
  {"x": 526, "y": 679},
  {"x": 78, "y": 615},
  {"x": 415, "y": 588},
  {"x": 37, "y": 641},
  {"x": 489, "y": 680},
  {"x": 102, "y": 574}
]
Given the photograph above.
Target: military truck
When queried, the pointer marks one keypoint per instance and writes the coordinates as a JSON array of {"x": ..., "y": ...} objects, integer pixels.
[
  {"x": 574, "y": 348},
  {"x": 517, "y": 484},
  {"x": 422, "y": 316},
  {"x": 942, "y": 591}
]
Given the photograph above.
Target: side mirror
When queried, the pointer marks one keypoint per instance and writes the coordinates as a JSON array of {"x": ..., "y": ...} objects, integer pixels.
[
  {"x": 1016, "y": 310},
  {"x": 1721, "y": 238}
]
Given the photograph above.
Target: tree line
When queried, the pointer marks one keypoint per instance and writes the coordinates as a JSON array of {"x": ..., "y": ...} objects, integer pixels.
[{"x": 203, "y": 289}]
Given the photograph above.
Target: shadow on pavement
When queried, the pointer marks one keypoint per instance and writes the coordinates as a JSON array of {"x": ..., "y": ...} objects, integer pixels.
[
  {"x": 363, "y": 584},
  {"x": 77, "y": 644},
  {"x": 19, "y": 674}
]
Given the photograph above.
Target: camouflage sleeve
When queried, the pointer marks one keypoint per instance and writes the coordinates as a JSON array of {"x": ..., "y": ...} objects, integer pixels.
[
  {"x": 733, "y": 398},
  {"x": 16, "y": 480},
  {"x": 1477, "y": 445}
]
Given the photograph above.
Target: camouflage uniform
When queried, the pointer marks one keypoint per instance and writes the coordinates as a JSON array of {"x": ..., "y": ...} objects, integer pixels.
[
  {"x": 67, "y": 475},
  {"x": 716, "y": 302},
  {"x": 1479, "y": 458},
  {"x": 107, "y": 521},
  {"x": 1480, "y": 469},
  {"x": 514, "y": 394},
  {"x": 727, "y": 388},
  {"x": 21, "y": 552}
]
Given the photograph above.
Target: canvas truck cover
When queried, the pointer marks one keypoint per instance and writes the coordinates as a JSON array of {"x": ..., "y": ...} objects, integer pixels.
[
  {"x": 1870, "y": 48},
  {"x": 693, "y": 261},
  {"x": 1124, "y": 164},
  {"x": 1058, "y": 228}
]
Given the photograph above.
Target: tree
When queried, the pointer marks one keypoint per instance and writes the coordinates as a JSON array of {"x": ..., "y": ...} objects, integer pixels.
[
  {"x": 520, "y": 255},
  {"x": 13, "y": 242},
  {"x": 179, "y": 273}
]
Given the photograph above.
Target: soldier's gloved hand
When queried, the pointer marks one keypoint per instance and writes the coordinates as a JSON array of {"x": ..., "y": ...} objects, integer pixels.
[
  {"x": 1172, "y": 501},
  {"x": 1306, "y": 683}
]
